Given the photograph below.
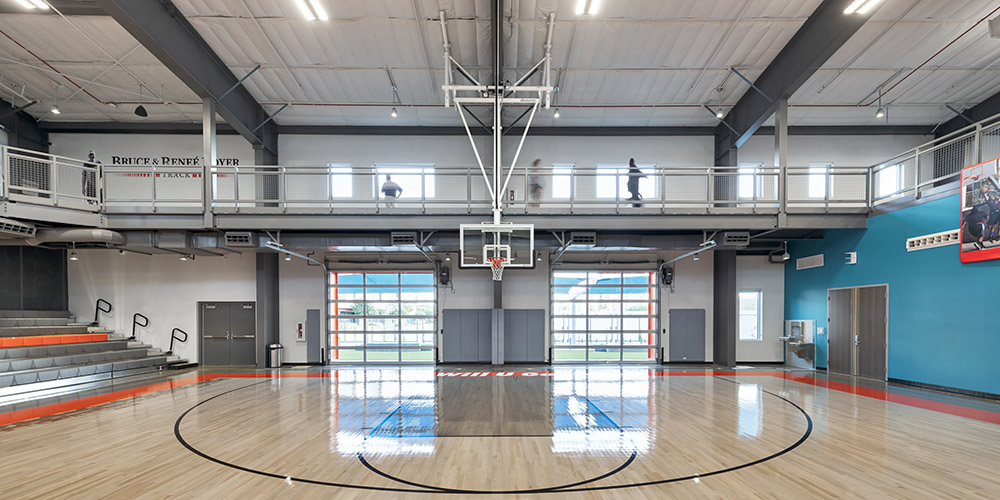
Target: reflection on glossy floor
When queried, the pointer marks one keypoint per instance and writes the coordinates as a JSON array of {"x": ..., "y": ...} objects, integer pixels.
[{"x": 555, "y": 432}]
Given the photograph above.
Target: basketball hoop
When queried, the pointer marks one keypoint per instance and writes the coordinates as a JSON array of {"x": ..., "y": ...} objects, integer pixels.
[{"x": 497, "y": 263}]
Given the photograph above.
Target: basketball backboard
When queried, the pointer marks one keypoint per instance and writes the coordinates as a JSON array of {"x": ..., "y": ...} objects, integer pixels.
[{"x": 479, "y": 242}]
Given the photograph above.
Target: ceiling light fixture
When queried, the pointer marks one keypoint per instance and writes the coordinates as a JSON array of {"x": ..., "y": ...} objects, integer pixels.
[
  {"x": 113, "y": 104},
  {"x": 586, "y": 7},
  {"x": 317, "y": 7},
  {"x": 696, "y": 258},
  {"x": 312, "y": 10},
  {"x": 394, "y": 113},
  {"x": 719, "y": 114},
  {"x": 288, "y": 257},
  {"x": 184, "y": 257},
  {"x": 881, "y": 111},
  {"x": 55, "y": 99},
  {"x": 786, "y": 256},
  {"x": 861, "y": 6},
  {"x": 73, "y": 257},
  {"x": 556, "y": 114}
]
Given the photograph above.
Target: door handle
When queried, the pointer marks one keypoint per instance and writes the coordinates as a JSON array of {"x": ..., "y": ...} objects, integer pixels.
[{"x": 243, "y": 336}]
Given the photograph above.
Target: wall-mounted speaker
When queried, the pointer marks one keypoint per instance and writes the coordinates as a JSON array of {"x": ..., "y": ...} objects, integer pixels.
[{"x": 667, "y": 276}]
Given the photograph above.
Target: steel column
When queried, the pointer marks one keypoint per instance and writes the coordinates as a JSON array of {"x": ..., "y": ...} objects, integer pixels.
[
  {"x": 208, "y": 157},
  {"x": 781, "y": 158}
]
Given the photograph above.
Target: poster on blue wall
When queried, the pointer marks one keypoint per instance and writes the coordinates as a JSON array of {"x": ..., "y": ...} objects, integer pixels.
[{"x": 980, "y": 219}]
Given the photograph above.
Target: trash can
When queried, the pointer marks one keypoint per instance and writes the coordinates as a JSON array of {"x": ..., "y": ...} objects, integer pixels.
[{"x": 274, "y": 356}]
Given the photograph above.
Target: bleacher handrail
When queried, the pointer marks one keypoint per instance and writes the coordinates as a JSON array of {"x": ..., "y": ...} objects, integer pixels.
[
  {"x": 135, "y": 323},
  {"x": 98, "y": 309},
  {"x": 173, "y": 336}
]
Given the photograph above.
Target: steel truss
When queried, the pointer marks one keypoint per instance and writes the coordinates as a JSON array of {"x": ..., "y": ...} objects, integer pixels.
[{"x": 496, "y": 96}]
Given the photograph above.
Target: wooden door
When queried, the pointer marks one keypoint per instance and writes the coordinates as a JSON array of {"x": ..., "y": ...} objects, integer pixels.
[
  {"x": 872, "y": 312},
  {"x": 840, "y": 331}
]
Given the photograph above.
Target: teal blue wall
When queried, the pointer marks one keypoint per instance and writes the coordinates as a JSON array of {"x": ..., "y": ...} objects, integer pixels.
[{"x": 944, "y": 316}]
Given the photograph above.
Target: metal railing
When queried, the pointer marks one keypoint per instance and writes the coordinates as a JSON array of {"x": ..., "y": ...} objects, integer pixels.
[
  {"x": 574, "y": 190},
  {"x": 153, "y": 189},
  {"x": 98, "y": 310},
  {"x": 52, "y": 180},
  {"x": 136, "y": 323},
  {"x": 936, "y": 162},
  {"x": 173, "y": 337},
  {"x": 44, "y": 179}
]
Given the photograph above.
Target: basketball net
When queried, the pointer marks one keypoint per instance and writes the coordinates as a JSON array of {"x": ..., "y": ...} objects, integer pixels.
[{"x": 497, "y": 264}]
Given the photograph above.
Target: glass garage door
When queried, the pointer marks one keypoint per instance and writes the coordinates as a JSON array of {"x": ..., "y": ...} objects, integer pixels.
[
  {"x": 382, "y": 316},
  {"x": 604, "y": 316}
]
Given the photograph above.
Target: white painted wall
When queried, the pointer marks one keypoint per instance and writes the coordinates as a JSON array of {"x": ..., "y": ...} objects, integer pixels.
[
  {"x": 161, "y": 287},
  {"x": 168, "y": 290},
  {"x": 694, "y": 288},
  {"x": 147, "y": 145},
  {"x": 755, "y": 273},
  {"x": 844, "y": 150},
  {"x": 456, "y": 151},
  {"x": 300, "y": 287}
]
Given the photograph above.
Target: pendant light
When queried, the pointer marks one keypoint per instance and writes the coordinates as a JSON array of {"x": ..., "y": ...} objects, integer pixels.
[{"x": 140, "y": 110}]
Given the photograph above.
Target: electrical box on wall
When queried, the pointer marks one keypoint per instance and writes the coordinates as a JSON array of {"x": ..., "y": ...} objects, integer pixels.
[
  {"x": 300, "y": 332},
  {"x": 445, "y": 276}
]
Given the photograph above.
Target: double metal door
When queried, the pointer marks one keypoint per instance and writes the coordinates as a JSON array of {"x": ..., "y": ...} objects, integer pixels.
[
  {"x": 858, "y": 323},
  {"x": 229, "y": 333}
]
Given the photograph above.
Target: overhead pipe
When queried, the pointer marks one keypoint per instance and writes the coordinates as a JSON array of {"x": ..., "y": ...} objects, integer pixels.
[{"x": 76, "y": 236}]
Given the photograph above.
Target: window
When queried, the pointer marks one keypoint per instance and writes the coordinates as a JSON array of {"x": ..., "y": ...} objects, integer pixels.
[
  {"x": 746, "y": 179},
  {"x": 750, "y": 314},
  {"x": 888, "y": 180},
  {"x": 610, "y": 173},
  {"x": 604, "y": 316},
  {"x": 817, "y": 179},
  {"x": 408, "y": 177},
  {"x": 562, "y": 182},
  {"x": 382, "y": 316},
  {"x": 341, "y": 180}
]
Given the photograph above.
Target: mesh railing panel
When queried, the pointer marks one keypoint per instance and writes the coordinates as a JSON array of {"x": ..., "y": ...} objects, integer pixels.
[
  {"x": 990, "y": 142},
  {"x": 179, "y": 188},
  {"x": 30, "y": 176}
]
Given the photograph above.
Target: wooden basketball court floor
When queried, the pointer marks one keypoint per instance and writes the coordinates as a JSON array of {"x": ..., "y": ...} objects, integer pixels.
[{"x": 535, "y": 432}]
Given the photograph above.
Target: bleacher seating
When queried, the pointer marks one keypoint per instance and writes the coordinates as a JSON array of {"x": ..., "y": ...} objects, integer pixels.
[{"x": 42, "y": 350}]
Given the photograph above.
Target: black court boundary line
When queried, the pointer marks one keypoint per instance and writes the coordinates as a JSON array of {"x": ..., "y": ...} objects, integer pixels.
[{"x": 563, "y": 489}]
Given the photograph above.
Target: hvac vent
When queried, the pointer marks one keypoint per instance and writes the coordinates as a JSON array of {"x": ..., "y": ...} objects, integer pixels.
[
  {"x": 935, "y": 240},
  {"x": 584, "y": 239},
  {"x": 404, "y": 238},
  {"x": 739, "y": 239},
  {"x": 809, "y": 262},
  {"x": 241, "y": 239},
  {"x": 11, "y": 227}
]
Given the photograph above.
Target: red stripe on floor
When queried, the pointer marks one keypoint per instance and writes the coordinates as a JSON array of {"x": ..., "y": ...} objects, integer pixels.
[{"x": 926, "y": 404}]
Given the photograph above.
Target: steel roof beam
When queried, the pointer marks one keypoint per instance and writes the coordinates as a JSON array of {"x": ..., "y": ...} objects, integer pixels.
[
  {"x": 23, "y": 130},
  {"x": 166, "y": 33},
  {"x": 823, "y": 33},
  {"x": 979, "y": 112}
]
